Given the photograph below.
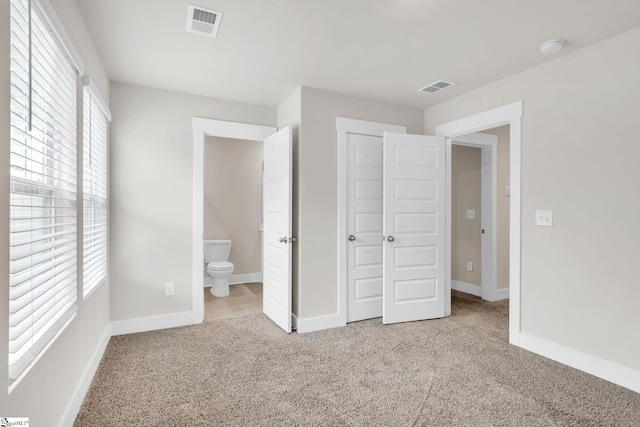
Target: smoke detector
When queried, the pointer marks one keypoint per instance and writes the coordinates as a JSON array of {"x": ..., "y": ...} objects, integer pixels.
[
  {"x": 436, "y": 86},
  {"x": 551, "y": 46},
  {"x": 203, "y": 21}
]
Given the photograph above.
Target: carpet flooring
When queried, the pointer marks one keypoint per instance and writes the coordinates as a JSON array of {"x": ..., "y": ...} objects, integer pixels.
[{"x": 244, "y": 371}]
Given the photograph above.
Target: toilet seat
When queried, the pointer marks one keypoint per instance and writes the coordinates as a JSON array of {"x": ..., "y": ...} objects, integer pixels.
[{"x": 220, "y": 266}]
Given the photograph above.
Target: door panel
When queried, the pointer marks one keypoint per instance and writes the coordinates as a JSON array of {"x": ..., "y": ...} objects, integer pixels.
[
  {"x": 364, "y": 223},
  {"x": 414, "y": 226},
  {"x": 277, "y": 242}
]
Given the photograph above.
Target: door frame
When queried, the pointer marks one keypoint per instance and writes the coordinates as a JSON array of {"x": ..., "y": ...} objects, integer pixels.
[
  {"x": 202, "y": 128},
  {"x": 344, "y": 127},
  {"x": 510, "y": 114},
  {"x": 487, "y": 144}
]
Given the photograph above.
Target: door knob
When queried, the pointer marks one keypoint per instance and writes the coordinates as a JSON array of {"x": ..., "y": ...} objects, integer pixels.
[
  {"x": 352, "y": 237},
  {"x": 282, "y": 240},
  {"x": 390, "y": 238},
  {"x": 292, "y": 239}
]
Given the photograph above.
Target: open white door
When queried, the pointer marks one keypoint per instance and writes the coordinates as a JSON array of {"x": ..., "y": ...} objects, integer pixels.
[
  {"x": 277, "y": 239},
  {"x": 414, "y": 228}
]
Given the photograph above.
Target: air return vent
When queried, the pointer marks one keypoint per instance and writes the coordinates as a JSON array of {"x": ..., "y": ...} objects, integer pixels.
[
  {"x": 436, "y": 86},
  {"x": 203, "y": 21}
]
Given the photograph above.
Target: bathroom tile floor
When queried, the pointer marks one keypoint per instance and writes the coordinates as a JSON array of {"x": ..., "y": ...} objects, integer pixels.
[{"x": 243, "y": 299}]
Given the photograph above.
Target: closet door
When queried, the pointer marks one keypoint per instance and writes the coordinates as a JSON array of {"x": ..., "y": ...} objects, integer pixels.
[
  {"x": 364, "y": 222},
  {"x": 413, "y": 227}
]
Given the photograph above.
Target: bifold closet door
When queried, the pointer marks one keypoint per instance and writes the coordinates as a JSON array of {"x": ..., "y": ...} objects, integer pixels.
[{"x": 414, "y": 181}]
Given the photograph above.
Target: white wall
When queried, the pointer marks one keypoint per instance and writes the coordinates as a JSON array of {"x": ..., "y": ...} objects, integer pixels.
[
  {"x": 151, "y": 194},
  {"x": 580, "y": 159},
  {"x": 466, "y": 237},
  {"x": 48, "y": 391},
  {"x": 318, "y": 189},
  {"x": 233, "y": 199}
]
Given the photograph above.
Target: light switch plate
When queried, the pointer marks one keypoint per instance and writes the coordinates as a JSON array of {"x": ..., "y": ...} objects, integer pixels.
[
  {"x": 471, "y": 214},
  {"x": 544, "y": 218}
]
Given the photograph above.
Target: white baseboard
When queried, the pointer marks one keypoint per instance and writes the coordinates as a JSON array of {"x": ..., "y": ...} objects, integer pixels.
[
  {"x": 601, "y": 368},
  {"x": 245, "y": 278},
  {"x": 237, "y": 279},
  {"x": 70, "y": 414},
  {"x": 467, "y": 288},
  {"x": 294, "y": 322},
  {"x": 319, "y": 323},
  {"x": 498, "y": 294},
  {"x": 154, "y": 323}
]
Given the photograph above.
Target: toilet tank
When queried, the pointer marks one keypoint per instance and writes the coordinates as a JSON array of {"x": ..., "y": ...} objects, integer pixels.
[{"x": 216, "y": 250}]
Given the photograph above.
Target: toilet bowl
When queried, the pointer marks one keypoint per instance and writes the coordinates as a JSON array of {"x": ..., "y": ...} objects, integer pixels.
[{"x": 216, "y": 255}]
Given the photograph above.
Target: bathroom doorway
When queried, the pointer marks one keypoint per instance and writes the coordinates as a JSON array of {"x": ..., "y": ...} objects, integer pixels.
[{"x": 232, "y": 210}]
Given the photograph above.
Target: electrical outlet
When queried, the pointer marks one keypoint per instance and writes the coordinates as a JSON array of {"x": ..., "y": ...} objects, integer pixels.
[
  {"x": 544, "y": 218},
  {"x": 169, "y": 289},
  {"x": 471, "y": 214},
  {"x": 469, "y": 266}
]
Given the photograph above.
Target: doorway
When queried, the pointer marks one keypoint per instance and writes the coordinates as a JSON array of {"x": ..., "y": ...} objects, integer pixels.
[
  {"x": 233, "y": 211},
  {"x": 277, "y": 222},
  {"x": 479, "y": 213},
  {"x": 203, "y": 128},
  {"x": 510, "y": 114}
]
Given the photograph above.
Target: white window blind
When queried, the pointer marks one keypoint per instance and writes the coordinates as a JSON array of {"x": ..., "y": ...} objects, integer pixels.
[
  {"x": 94, "y": 192},
  {"x": 43, "y": 249}
]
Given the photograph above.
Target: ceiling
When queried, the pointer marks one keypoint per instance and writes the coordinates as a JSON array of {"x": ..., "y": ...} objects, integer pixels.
[{"x": 383, "y": 50}]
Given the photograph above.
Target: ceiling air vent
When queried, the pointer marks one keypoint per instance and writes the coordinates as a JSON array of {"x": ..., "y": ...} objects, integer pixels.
[
  {"x": 203, "y": 21},
  {"x": 436, "y": 86}
]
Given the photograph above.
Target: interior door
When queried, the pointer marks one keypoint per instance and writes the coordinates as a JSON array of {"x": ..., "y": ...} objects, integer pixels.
[
  {"x": 277, "y": 239},
  {"x": 414, "y": 227},
  {"x": 364, "y": 224}
]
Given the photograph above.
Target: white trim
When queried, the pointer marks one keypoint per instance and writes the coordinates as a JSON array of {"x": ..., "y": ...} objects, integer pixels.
[
  {"x": 320, "y": 323},
  {"x": 202, "y": 128},
  {"x": 236, "y": 279},
  {"x": 510, "y": 114},
  {"x": 499, "y": 294},
  {"x": 467, "y": 288},
  {"x": 245, "y": 278},
  {"x": 46, "y": 10},
  {"x": 601, "y": 368},
  {"x": 88, "y": 81},
  {"x": 346, "y": 126},
  {"x": 71, "y": 412},
  {"x": 153, "y": 323}
]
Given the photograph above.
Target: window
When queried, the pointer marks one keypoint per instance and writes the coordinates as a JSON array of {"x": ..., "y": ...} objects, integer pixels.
[
  {"x": 94, "y": 178},
  {"x": 43, "y": 215}
]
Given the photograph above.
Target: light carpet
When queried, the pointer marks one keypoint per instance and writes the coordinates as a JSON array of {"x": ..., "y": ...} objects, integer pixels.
[{"x": 245, "y": 371}]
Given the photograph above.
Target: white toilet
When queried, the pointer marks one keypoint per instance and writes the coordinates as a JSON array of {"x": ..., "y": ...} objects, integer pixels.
[{"x": 216, "y": 255}]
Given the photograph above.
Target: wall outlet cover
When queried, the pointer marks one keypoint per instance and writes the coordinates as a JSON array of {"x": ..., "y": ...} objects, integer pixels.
[
  {"x": 169, "y": 289},
  {"x": 544, "y": 218}
]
